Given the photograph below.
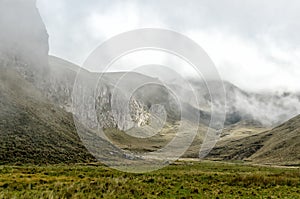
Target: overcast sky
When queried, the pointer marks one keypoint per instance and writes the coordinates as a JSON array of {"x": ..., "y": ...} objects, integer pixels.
[{"x": 255, "y": 44}]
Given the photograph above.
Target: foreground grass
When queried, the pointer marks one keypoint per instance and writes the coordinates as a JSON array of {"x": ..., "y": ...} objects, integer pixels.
[{"x": 187, "y": 180}]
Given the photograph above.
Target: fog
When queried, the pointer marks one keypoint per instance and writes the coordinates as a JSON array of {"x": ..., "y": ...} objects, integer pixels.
[
  {"x": 270, "y": 109},
  {"x": 24, "y": 42},
  {"x": 23, "y": 37}
]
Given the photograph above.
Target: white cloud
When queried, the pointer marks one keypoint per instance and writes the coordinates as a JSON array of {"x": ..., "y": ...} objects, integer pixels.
[{"x": 255, "y": 44}]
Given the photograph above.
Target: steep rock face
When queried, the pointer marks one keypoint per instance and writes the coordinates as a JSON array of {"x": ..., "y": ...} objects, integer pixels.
[
  {"x": 61, "y": 81},
  {"x": 109, "y": 114},
  {"x": 23, "y": 38}
]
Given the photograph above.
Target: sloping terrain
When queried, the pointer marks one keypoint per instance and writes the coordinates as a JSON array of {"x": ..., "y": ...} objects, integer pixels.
[
  {"x": 283, "y": 146},
  {"x": 279, "y": 146},
  {"x": 31, "y": 129}
]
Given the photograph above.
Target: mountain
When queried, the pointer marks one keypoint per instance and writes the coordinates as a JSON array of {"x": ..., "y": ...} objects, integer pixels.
[
  {"x": 63, "y": 76},
  {"x": 279, "y": 146},
  {"x": 33, "y": 129},
  {"x": 244, "y": 134},
  {"x": 240, "y": 140},
  {"x": 51, "y": 110}
]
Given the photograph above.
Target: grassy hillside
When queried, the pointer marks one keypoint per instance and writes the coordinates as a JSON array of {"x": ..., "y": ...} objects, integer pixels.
[
  {"x": 280, "y": 146},
  {"x": 283, "y": 145},
  {"x": 32, "y": 130}
]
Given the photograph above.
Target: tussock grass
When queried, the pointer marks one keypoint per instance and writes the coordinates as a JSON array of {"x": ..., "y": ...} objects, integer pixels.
[{"x": 185, "y": 180}]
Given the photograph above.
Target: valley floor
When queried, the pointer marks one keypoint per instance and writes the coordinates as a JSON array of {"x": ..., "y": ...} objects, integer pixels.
[{"x": 180, "y": 180}]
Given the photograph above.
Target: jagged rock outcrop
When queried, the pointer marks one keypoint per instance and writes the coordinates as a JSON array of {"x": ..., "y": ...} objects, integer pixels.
[
  {"x": 63, "y": 76},
  {"x": 109, "y": 114}
]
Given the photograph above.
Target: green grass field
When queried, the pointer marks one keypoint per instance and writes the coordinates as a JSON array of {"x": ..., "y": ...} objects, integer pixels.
[{"x": 183, "y": 180}]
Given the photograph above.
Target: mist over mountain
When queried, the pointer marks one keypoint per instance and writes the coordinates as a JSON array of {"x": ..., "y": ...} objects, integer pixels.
[
  {"x": 269, "y": 108},
  {"x": 37, "y": 102},
  {"x": 32, "y": 129},
  {"x": 30, "y": 49},
  {"x": 23, "y": 38}
]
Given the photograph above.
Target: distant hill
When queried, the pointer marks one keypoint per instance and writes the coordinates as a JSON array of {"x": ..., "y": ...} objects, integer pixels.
[
  {"x": 283, "y": 145},
  {"x": 279, "y": 146}
]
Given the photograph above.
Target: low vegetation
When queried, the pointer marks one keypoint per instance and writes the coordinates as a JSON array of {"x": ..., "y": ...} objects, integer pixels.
[{"x": 180, "y": 180}]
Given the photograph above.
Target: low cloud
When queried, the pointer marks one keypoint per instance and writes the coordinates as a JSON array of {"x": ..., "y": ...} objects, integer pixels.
[{"x": 255, "y": 44}]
